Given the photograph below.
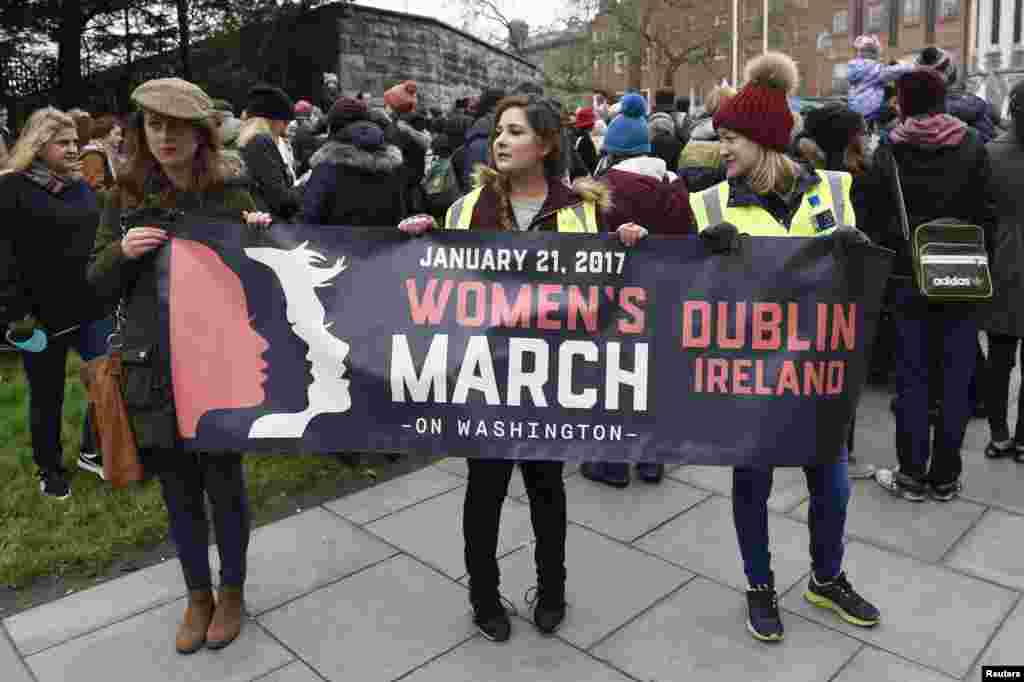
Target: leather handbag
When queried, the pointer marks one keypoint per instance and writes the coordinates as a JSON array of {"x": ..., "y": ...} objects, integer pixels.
[
  {"x": 110, "y": 422},
  {"x": 949, "y": 257}
]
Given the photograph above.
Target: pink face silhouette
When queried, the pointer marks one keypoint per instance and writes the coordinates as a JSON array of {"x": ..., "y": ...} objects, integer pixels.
[{"x": 216, "y": 355}]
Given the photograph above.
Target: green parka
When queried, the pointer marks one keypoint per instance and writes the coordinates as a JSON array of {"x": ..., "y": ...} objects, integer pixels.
[{"x": 146, "y": 378}]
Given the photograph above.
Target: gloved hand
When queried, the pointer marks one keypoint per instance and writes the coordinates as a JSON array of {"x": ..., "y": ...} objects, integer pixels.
[
  {"x": 27, "y": 335},
  {"x": 847, "y": 235},
  {"x": 721, "y": 238}
]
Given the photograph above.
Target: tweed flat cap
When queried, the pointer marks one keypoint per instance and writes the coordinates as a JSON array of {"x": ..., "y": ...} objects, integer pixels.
[{"x": 174, "y": 97}]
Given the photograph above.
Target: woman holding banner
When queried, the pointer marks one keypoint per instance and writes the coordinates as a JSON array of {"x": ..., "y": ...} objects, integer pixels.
[
  {"x": 768, "y": 194},
  {"x": 522, "y": 190},
  {"x": 177, "y": 165}
]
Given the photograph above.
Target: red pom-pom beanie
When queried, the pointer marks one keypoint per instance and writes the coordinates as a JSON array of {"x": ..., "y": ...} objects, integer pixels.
[{"x": 760, "y": 111}]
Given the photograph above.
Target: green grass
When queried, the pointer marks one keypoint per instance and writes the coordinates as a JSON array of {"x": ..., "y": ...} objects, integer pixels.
[{"x": 83, "y": 536}]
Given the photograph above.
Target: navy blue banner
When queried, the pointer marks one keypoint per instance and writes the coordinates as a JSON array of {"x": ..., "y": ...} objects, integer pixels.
[{"x": 527, "y": 346}]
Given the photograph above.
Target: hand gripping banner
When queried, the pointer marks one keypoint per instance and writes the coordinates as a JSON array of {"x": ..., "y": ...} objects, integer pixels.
[{"x": 319, "y": 339}]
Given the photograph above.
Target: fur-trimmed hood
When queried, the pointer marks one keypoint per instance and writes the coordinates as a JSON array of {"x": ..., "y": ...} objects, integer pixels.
[
  {"x": 385, "y": 159},
  {"x": 582, "y": 189}
]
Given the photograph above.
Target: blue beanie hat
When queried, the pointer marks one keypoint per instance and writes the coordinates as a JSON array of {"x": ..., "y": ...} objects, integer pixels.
[{"x": 627, "y": 134}]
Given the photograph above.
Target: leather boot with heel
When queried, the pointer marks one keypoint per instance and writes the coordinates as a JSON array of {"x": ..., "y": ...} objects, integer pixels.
[
  {"x": 227, "y": 618},
  {"x": 191, "y": 635}
]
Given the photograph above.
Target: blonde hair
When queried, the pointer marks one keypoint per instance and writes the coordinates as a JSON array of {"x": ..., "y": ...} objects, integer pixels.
[
  {"x": 718, "y": 97},
  {"x": 253, "y": 126},
  {"x": 774, "y": 172},
  {"x": 41, "y": 127}
]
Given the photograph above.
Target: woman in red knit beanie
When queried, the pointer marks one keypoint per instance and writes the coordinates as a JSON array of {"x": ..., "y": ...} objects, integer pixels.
[{"x": 768, "y": 194}]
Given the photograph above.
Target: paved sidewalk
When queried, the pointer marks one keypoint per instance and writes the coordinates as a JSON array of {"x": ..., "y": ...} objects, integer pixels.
[{"x": 371, "y": 588}]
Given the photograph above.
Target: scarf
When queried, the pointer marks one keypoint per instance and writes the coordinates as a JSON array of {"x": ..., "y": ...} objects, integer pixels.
[
  {"x": 940, "y": 130},
  {"x": 41, "y": 174}
]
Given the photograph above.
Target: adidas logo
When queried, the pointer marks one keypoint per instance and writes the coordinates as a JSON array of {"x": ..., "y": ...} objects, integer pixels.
[{"x": 952, "y": 282}]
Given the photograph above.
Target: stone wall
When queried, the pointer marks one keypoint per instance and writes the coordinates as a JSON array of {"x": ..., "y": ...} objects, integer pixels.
[{"x": 379, "y": 48}]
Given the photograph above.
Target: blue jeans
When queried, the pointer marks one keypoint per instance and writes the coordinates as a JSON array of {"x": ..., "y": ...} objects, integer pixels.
[
  {"x": 955, "y": 335},
  {"x": 829, "y": 485},
  {"x": 45, "y": 373}
]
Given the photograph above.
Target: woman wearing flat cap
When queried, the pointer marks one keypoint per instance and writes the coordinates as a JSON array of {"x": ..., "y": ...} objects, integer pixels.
[
  {"x": 177, "y": 164},
  {"x": 268, "y": 112}
]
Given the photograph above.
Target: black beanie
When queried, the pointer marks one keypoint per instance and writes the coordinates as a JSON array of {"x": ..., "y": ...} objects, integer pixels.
[
  {"x": 266, "y": 101},
  {"x": 833, "y": 127}
]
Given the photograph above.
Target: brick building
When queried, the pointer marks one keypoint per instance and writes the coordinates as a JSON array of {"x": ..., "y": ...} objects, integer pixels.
[{"x": 818, "y": 34}]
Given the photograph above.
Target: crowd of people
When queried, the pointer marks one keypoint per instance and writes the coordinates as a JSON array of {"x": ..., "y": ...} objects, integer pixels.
[{"x": 519, "y": 161}]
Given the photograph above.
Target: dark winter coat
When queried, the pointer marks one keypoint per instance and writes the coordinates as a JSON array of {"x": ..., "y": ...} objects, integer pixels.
[
  {"x": 645, "y": 195},
  {"x": 44, "y": 251},
  {"x": 667, "y": 147},
  {"x": 974, "y": 111},
  {"x": 477, "y": 148},
  {"x": 1005, "y": 313},
  {"x": 413, "y": 144},
  {"x": 354, "y": 186},
  {"x": 586, "y": 150},
  {"x": 305, "y": 145},
  {"x": 147, "y": 368},
  {"x": 272, "y": 188},
  {"x": 938, "y": 182}
]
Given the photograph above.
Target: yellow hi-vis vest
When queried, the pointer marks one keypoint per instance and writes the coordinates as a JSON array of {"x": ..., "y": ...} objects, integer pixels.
[
  {"x": 581, "y": 218},
  {"x": 822, "y": 208}
]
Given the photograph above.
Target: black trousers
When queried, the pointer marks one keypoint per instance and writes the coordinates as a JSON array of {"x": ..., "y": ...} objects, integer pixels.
[
  {"x": 481, "y": 518},
  {"x": 1001, "y": 359},
  {"x": 186, "y": 479}
]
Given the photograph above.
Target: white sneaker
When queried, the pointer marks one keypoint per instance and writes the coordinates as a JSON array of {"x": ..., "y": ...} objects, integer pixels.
[
  {"x": 859, "y": 469},
  {"x": 91, "y": 462}
]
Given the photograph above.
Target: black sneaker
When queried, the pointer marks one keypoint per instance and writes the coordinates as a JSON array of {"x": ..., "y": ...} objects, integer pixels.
[
  {"x": 649, "y": 472},
  {"x": 548, "y": 611},
  {"x": 840, "y": 596},
  {"x": 763, "y": 619},
  {"x": 902, "y": 485},
  {"x": 945, "y": 492},
  {"x": 53, "y": 483},
  {"x": 492, "y": 621},
  {"x": 91, "y": 462}
]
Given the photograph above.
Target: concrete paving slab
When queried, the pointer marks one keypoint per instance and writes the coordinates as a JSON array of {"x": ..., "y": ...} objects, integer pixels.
[
  {"x": 303, "y": 552},
  {"x": 700, "y": 633},
  {"x": 992, "y": 550},
  {"x": 293, "y": 672},
  {"x": 998, "y": 482},
  {"x": 628, "y": 514},
  {"x": 608, "y": 583},
  {"x": 930, "y": 615},
  {"x": 528, "y": 656},
  {"x": 432, "y": 531},
  {"x": 789, "y": 486},
  {"x": 704, "y": 540},
  {"x": 377, "y": 625},
  {"x": 13, "y": 668},
  {"x": 97, "y": 607},
  {"x": 925, "y": 531},
  {"x": 1005, "y": 649},
  {"x": 391, "y": 496},
  {"x": 875, "y": 664},
  {"x": 142, "y": 648}
]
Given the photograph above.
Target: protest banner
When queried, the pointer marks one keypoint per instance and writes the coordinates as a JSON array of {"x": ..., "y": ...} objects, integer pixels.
[{"x": 509, "y": 345}]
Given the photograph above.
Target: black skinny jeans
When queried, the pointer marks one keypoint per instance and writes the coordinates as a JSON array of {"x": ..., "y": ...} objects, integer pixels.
[
  {"x": 184, "y": 478},
  {"x": 481, "y": 517},
  {"x": 1001, "y": 352}
]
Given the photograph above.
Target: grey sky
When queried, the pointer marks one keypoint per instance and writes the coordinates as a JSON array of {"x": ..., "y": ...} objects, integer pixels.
[{"x": 537, "y": 13}]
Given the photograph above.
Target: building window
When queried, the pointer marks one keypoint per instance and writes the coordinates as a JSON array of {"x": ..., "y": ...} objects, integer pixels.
[
  {"x": 840, "y": 22},
  {"x": 876, "y": 19},
  {"x": 1018, "y": 10},
  {"x": 994, "y": 61},
  {"x": 949, "y": 9},
  {"x": 911, "y": 11},
  {"x": 996, "y": 10},
  {"x": 840, "y": 82}
]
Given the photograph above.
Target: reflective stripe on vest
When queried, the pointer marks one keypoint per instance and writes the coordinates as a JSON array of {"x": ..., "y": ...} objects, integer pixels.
[
  {"x": 579, "y": 218},
  {"x": 713, "y": 208}
]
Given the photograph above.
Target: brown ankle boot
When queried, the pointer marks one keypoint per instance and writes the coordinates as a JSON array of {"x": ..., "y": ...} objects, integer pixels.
[
  {"x": 227, "y": 618},
  {"x": 192, "y": 631}
]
